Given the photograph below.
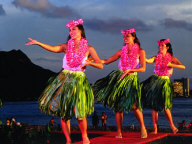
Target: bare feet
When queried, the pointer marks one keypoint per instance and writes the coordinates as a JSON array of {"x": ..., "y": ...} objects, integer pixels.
[
  {"x": 69, "y": 142},
  {"x": 86, "y": 140},
  {"x": 144, "y": 133},
  {"x": 119, "y": 135},
  {"x": 154, "y": 131},
  {"x": 175, "y": 130}
]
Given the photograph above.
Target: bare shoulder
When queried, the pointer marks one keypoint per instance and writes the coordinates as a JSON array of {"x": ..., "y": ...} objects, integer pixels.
[
  {"x": 174, "y": 59},
  {"x": 91, "y": 48},
  {"x": 141, "y": 51},
  {"x": 119, "y": 52},
  {"x": 63, "y": 47}
]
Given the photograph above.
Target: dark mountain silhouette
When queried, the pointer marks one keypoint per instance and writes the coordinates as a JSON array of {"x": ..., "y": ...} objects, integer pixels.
[{"x": 20, "y": 79}]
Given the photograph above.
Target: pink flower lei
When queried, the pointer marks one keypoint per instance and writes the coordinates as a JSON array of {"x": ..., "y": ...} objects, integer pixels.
[
  {"x": 74, "y": 23},
  {"x": 128, "y": 31},
  {"x": 166, "y": 41},
  {"x": 129, "y": 58},
  {"x": 161, "y": 62},
  {"x": 73, "y": 58}
]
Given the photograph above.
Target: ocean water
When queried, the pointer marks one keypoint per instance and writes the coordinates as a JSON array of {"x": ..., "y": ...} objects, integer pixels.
[{"x": 29, "y": 112}]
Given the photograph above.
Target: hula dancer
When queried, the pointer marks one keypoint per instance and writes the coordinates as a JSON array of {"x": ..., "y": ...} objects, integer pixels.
[
  {"x": 121, "y": 90},
  {"x": 70, "y": 93},
  {"x": 157, "y": 90}
]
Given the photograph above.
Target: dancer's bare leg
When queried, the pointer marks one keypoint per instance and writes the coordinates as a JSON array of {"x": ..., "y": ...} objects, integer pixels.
[
  {"x": 83, "y": 127},
  {"x": 168, "y": 115},
  {"x": 155, "y": 120},
  {"x": 119, "y": 121},
  {"x": 66, "y": 130},
  {"x": 139, "y": 116}
]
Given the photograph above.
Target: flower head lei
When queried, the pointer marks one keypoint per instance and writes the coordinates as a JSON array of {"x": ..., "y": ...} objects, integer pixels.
[
  {"x": 128, "y": 31},
  {"x": 166, "y": 41},
  {"x": 74, "y": 23}
]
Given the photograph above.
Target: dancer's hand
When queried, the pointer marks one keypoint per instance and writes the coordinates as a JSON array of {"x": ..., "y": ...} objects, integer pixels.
[
  {"x": 103, "y": 61},
  {"x": 88, "y": 61},
  {"x": 83, "y": 67},
  {"x": 32, "y": 42},
  {"x": 169, "y": 64},
  {"x": 125, "y": 73}
]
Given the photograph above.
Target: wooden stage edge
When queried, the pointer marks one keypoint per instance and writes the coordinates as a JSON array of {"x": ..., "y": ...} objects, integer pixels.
[{"x": 108, "y": 137}]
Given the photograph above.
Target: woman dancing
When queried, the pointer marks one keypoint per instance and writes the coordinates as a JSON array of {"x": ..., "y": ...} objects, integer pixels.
[
  {"x": 69, "y": 93},
  {"x": 121, "y": 90},
  {"x": 157, "y": 90}
]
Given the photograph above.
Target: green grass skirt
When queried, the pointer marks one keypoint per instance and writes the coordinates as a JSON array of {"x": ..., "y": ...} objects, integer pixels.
[
  {"x": 119, "y": 95},
  {"x": 157, "y": 93},
  {"x": 68, "y": 94}
]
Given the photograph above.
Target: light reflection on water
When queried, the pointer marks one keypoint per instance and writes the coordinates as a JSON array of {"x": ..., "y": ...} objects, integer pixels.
[{"x": 29, "y": 112}]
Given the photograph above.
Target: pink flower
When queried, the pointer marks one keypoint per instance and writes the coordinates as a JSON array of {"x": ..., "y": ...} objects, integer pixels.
[
  {"x": 166, "y": 41},
  {"x": 161, "y": 62},
  {"x": 129, "y": 59},
  {"x": 74, "y": 23},
  {"x": 128, "y": 31},
  {"x": 75, "y": 59}
]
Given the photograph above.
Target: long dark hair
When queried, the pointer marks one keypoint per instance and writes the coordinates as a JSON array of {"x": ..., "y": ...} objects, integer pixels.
[
  {"x": 170, "y": 50},
  {"x": 136, "y": 40},
  {"x": 81, "y": 28}
]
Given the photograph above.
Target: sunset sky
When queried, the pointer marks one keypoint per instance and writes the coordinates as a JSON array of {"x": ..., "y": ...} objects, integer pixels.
[{"x": 45, "y": 20}]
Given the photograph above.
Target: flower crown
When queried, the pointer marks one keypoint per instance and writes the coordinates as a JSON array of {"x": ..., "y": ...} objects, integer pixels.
[
  {"x": 74, "y": 23},
  {"x": 128, "y": 31},
  {"x": 166, "y": 41}
]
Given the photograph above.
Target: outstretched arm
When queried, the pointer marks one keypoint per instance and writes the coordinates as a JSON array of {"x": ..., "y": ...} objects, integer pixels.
[
  {"x": 112, "y": 58},
  {"x": 150, "y": 60},
  {"x": 56, "y": 49},
  {"x": 176, "y": 63},
  {"x": 96, "y": 62}
]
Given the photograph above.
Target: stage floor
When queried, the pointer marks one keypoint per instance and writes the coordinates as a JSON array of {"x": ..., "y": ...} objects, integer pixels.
[{"x": 106, "y": 137}]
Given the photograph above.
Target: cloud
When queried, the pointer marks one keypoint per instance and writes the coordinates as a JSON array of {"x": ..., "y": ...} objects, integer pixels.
[
  {"x": 171, "y": 23},
  {"x": 46, "y": 8},
  {"x": 115, "y": 25},
  {"x": 2, "y": 11}
]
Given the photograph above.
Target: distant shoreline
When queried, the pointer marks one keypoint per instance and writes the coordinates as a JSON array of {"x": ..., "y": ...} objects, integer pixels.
[{"x": 183, "y": 97}]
